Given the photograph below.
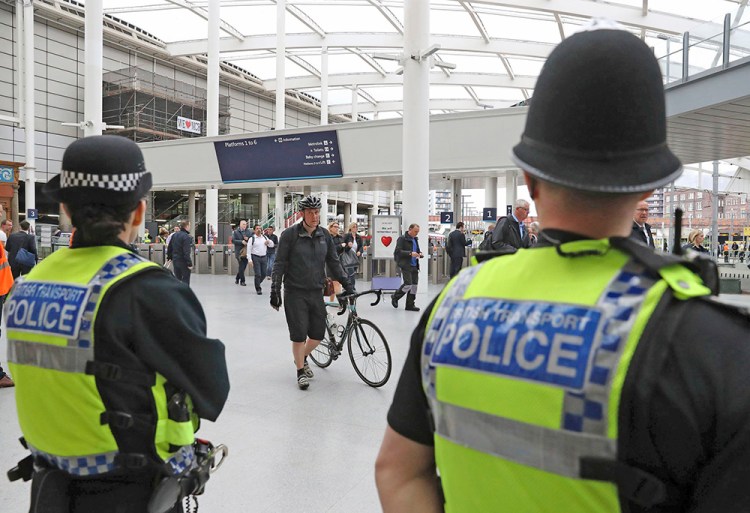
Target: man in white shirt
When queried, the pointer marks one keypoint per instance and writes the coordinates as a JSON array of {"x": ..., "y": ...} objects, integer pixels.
[
  {"x": 5, "y": 228},
  {"x": 258, "y": 248},
  {"x": 641, "y": 229}
]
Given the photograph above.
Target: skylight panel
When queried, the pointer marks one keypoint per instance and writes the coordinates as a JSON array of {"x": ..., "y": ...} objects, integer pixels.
[
  {"x": 348, "y": 18},
  {"x": 499, "y": 93},
  {"x": 453, "y": 22},
  {"x": 347, "y": 63},
  {"x": 474, "y": 63},
  {"x": 341, "y": 96},
  {"x": 445, "y": 92},
  {"x": 386, "y": 93},
  {"x": 522, "y": 28},
  {"x": 526, "y": 67},
  {"x": 135, "y": 5},
  {"x": 260, "y": 20},
  {"x": 712, "y": 10},
  {"x": 265, "y": 67},
  {"x": 169, "y": 26}
]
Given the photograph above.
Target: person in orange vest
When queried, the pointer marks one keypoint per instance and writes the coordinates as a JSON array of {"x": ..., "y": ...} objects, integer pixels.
[{"x": 6, "y": 282}]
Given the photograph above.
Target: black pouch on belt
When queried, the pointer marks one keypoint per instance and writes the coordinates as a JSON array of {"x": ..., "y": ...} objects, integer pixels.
[{"x": 49, "y": 491}]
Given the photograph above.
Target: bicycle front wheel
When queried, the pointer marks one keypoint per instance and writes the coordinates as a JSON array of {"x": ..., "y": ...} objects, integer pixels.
[
  {"x": 321, "y": 355},
  {"x": 369, "y": 353}
]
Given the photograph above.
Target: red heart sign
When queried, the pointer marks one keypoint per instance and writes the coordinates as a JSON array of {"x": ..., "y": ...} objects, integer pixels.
[
  {"x": 187, "y": 124},
  {"x": 386, "y": 240}
]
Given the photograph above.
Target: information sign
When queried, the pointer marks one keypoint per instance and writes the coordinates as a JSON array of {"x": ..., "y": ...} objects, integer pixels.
[
  {"x": 446, "y": 217},
  {"x": 280, "y": 157},
  {"x": 489, "y": 214}
]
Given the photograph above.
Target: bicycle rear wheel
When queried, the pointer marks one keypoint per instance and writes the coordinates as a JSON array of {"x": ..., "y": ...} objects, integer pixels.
[
  {"x": 369, "y": 353},
  {"x": 321, "y": 355}
]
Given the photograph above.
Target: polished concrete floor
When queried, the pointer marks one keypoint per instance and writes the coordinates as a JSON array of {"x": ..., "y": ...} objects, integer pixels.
[{"x": 290, "y": 450}]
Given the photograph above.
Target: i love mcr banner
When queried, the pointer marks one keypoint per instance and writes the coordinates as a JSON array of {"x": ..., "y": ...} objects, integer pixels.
[{"x": 386, "y": 231}]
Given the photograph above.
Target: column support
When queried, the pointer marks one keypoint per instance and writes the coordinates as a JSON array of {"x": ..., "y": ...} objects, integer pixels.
[
  {"x": 29, "y": 115},
  {"x": 416, "y": 126}
]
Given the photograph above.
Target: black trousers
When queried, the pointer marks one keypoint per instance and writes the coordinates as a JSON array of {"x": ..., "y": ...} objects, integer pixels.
[
  {"x": 260, "y": 266},
  {"x": 55, "y": 491},
  {"x": 240, "y": 277},
  {"x": 181, "y": 271},
  {"x": 456, "y": 264}
]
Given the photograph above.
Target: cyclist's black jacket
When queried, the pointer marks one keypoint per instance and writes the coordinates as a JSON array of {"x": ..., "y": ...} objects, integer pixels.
[{"x": 301, "y": 260}]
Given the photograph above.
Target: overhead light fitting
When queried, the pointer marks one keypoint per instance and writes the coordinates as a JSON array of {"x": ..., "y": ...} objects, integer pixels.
[
  {"x": 445, "y": 65},
  {"x": 388, "y": 56}
]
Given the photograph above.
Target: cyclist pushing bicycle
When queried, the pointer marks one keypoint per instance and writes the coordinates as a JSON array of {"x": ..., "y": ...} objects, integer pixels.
[{"x": 304, "y": 250}]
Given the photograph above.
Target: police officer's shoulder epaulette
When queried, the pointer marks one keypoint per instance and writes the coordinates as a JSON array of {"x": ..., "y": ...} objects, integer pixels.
[{"x": 666, "y": 264}]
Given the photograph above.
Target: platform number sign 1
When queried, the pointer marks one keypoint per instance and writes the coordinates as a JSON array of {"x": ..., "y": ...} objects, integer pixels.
[
  {"x": 489, "y": 214},
  {"x": 446, "y": 217}
]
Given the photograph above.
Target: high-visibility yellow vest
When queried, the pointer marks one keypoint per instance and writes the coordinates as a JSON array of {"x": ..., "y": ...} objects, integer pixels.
[
  {"x": 51, "y": 314},
  {"x": 523, "y": 365}
]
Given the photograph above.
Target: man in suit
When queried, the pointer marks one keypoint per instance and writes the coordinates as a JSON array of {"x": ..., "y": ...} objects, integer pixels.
[
  {"x": 16, "y": 241},
  {"x": 641, "y": 229},
  {"x": 509, "y": 231},
  {"x": 456, "y": 248}
]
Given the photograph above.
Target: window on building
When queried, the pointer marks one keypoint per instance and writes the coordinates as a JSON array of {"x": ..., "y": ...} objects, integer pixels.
[
  {"x": 690, "y": 207},
  {"x": 690, "y": 196},
  {"x": 682, "y": 197},
  {"x": 699, "y": 195},
  {"x": 699, "y": 206}
]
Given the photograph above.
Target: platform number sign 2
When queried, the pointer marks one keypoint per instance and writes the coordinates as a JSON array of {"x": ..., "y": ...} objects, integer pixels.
[{"x": 446, "y": 217}]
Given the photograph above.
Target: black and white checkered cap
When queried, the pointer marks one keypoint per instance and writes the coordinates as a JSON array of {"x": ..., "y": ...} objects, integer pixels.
[
  {"x": 107, "y": 169},
  {"x": 126, "y": 182}
]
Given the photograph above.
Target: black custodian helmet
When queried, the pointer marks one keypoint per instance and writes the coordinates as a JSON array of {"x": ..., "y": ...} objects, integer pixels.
[{"x": 597, "y": 117}]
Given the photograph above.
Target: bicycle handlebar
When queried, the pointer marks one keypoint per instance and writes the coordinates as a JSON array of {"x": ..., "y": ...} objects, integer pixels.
[{"x": 344, "y": 300}]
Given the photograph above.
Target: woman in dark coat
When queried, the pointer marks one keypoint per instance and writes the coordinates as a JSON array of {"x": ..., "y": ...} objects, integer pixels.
[
  {"x": 338, "y": 241},
  {"x": 353, "y": 245}
]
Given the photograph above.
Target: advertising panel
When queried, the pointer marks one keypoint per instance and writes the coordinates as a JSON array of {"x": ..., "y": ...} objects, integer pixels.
[{"x": 386, "y": 231}]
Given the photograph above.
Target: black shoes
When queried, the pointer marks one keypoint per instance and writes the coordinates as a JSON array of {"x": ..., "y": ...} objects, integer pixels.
[{"x": 259, "y": 292}]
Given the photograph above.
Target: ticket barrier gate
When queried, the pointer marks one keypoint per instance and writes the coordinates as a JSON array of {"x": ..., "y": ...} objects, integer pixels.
[
  {"x": 202, "y": 258},
  {"x": 217, "y": 254},
  {"x": 144, "y": 250},
  {"x": 159, "y": 253},
  {"x": 436, "y": 266}
]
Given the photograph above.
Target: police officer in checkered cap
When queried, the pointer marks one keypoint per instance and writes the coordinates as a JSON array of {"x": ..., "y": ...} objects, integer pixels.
[
  {"x": 110, "y": 383},
  {"x": 586, "y": 374}
]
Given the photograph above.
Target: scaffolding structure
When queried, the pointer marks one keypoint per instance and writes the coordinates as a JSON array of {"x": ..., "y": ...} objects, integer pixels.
[{"x": 148, "y": 105}]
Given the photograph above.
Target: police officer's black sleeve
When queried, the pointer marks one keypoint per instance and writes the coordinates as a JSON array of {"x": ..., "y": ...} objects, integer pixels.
[
  {"x": 158, "y": 320},
  {"x": 409, "y": 413},
  {"x": 685, "y": 412}
]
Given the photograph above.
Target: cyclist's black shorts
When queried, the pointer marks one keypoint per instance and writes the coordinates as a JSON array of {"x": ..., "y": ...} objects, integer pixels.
[{"x": 305, "y": 314}]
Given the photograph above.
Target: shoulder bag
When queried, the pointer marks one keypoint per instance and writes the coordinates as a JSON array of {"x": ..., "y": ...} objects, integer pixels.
[{"x": 349, "y": 259}]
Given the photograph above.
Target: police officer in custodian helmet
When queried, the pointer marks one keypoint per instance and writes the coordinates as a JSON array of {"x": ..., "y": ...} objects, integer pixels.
[
  {"x": 109, "y": 352},
  {"x": 585, "y": 374}
]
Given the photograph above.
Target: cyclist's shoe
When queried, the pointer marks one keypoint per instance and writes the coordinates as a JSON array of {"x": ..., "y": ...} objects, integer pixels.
[
  {"x": 308, "y": 371},
  {"x": 303, "y": 382}
]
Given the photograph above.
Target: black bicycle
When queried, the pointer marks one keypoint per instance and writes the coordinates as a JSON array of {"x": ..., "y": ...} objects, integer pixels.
[{"x": 366, "y": 344}]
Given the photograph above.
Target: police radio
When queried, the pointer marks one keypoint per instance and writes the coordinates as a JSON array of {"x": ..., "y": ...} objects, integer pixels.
[{"x": 191, "y": 481}]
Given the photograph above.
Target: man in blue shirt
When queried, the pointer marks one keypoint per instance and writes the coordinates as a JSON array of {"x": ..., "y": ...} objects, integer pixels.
[{"x": 407, "y": 255}]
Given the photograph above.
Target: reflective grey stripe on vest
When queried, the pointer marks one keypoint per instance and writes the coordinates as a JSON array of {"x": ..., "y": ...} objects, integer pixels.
[
  {"x": 73, "y": 357},
  {"x": 547, "y": 449},
  {"x": 583, "y": 426},
  {"x": 47, "y": 356},
  {"x": 4, "y": 266}
]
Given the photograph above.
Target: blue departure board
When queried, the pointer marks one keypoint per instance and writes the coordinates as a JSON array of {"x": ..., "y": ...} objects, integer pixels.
[{"x": 280, "y": 157}]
